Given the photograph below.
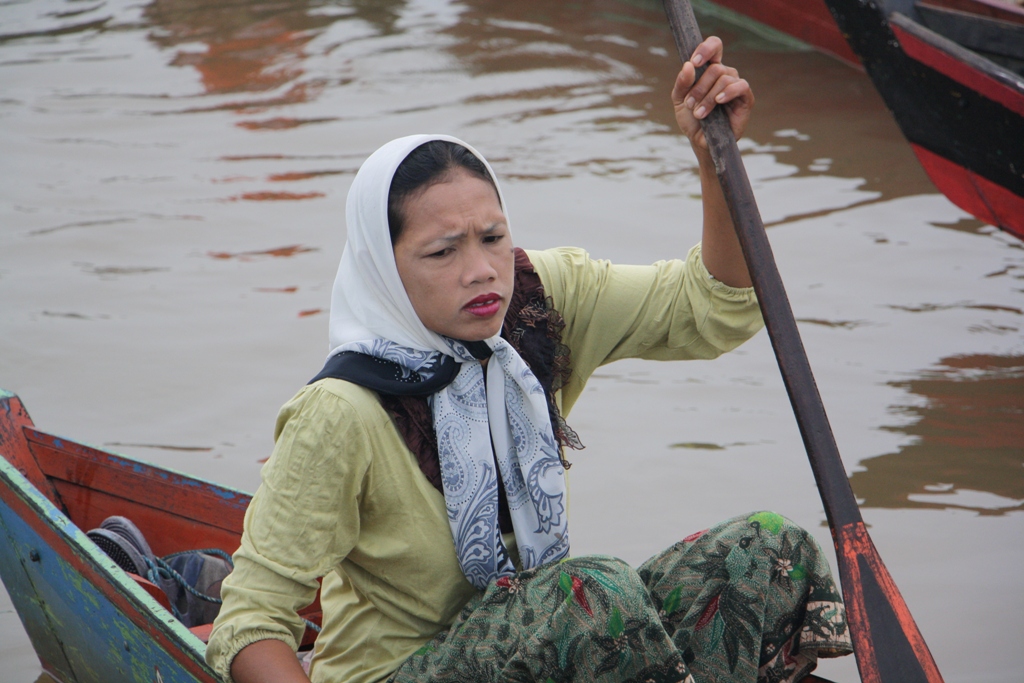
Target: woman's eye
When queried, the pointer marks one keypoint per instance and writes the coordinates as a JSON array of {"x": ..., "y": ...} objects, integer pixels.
[
  {"x": 491, "y": 239},
  {"x": 439, "y": 254}
]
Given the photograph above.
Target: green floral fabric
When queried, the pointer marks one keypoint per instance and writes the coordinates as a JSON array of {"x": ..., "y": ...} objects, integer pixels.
[{"x": 751, "y": 599}]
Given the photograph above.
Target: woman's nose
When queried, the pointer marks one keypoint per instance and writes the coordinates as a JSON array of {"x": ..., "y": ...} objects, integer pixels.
[{"x": 479, "y": 267}]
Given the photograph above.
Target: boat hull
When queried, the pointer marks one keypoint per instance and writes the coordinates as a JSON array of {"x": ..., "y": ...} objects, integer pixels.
[
  {"x": 806, "y": 20},
  {"x": 962, "y": 113},
  {"x": 87, "y": 621}
]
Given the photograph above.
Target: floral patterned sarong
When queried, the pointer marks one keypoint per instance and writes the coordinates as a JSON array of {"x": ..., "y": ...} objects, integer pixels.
[{"x": 751, "y": 599}]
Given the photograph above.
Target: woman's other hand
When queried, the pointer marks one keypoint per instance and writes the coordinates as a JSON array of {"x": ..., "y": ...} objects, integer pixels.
[
  {"x": 267, "y": 661},
  {"x": 719, "y": 85}
]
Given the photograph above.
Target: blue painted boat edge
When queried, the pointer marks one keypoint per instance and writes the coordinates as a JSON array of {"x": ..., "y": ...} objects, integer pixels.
[
  {"x": 83, "y": 629},
  {"x": 79, "y": 543},
  {"x": 28, "y": 605}
]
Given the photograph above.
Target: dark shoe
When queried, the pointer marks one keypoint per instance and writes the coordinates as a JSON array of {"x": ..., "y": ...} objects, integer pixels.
[
  {"x": 190, "y": 579},
  {"x": 124, "y": 544}
]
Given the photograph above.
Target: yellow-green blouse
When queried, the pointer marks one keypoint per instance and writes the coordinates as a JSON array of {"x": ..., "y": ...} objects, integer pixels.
[{"x": 343, "y": 498}]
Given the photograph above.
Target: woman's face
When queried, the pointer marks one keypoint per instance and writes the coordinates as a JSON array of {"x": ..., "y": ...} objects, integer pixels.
[{"x": 455, "y": 257}]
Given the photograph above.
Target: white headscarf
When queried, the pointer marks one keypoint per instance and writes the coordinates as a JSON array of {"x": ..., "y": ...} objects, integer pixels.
[{"x": 372, "y": 314}]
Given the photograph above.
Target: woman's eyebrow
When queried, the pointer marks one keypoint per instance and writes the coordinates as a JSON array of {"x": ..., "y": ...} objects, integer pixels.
[
  {"x": 462, "y": 234},
  {"x": 447, "y": 239}
]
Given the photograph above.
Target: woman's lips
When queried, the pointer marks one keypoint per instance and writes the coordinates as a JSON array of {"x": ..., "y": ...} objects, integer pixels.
[{"x": 484, "y": 306}]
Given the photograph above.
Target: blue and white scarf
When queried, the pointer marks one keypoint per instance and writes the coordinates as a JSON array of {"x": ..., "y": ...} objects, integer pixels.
[{"x": 504, "y": 405}]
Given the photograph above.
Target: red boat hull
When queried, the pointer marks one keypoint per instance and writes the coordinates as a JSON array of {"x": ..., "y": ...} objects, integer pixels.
[
  {"x": 972, "y": 192},
  {"x": 806, "y": 20},
  {"x": 962, "y": 114}
]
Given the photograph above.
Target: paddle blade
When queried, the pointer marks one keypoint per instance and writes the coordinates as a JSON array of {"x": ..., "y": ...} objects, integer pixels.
[{"x": 878, "y": 615}]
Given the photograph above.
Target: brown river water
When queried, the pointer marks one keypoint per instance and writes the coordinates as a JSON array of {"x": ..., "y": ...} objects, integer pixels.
[{"x": 171, "y": 217}]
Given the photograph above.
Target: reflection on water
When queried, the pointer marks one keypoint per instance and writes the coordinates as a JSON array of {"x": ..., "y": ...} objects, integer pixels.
[
  {"x": 256, "y": 46},
  {"x": 600, "y": 65},
  {"x": 280, "y": 252},
  {"x": 968, "y": 447},
  {"x": 621, "y": 45},
  {"x": 614, "y": 49}
]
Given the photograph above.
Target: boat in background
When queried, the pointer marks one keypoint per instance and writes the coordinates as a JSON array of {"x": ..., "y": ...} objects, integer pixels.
[
  {"x": 88, "y": 620},
  {"x": 952, "y": 74}
]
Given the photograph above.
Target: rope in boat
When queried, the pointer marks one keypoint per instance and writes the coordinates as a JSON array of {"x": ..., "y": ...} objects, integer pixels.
[{"x": 159, "y": 569}]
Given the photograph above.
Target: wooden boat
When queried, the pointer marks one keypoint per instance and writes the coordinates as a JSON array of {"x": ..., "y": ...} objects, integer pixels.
[
  {"x": 952, "y": 74},
  {"x": 89, "y": 621}
]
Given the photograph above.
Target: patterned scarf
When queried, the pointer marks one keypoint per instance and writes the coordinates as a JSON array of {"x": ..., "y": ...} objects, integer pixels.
[{"x": 480, "y": 418}]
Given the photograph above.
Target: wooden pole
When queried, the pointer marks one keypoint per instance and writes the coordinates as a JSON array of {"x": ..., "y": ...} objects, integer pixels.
[{"x": 888, "y": 645}]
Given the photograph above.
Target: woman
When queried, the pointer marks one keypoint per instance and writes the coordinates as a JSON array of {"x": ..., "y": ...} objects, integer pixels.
[{"x": 421, "y": 475}]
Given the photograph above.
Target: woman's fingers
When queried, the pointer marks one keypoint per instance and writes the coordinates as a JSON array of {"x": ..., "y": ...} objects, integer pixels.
[
  {"x": 737, "y": 90},
  {"x": 684, "y": 81},
  {"x": 708, "y": 51},
  {"x": 694, "y": 98},
  {"x": 724, "y": 92},
  {"x": 703, "y": 96}
]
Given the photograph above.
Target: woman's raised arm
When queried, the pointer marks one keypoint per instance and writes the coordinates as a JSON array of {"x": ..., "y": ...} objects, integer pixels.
[{"x": 718, "y": 86}]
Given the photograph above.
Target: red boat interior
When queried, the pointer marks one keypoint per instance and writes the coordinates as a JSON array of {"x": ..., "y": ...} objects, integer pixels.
[{"x": 174, "y": 512}]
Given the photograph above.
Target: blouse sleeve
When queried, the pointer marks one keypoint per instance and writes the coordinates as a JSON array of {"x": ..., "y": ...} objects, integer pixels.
[
  {"x": 671, "y": 310},
  {"x": 302, "y": 522}
]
